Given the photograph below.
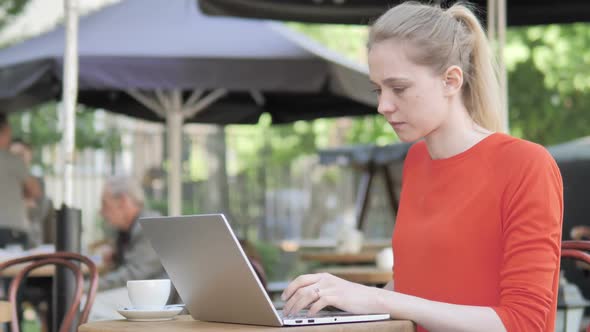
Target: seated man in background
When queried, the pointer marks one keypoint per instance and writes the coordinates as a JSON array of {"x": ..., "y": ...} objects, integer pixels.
[{"x": 131, "y": 257}]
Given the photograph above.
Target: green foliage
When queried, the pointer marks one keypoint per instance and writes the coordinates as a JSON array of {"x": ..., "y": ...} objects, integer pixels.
[
  {"x": 350, "y": 41},
  {"x": 371, "y": 130},
  {"x": 88, "y": 137},
  {"x": 161, "y": 206},
  {"x": 545, "y": 115},
  {"x": 275, "y": 145},
  {"x": 281, "y": 145},
  {"x": 347, "y": 40},
  {"x": 270, "y": 255},
  {"x": 549, "y": 89},
  {"x": 10, "y": 9},
  {"x": 561, "y": 53},
  {"x": 40, "y": 127}
]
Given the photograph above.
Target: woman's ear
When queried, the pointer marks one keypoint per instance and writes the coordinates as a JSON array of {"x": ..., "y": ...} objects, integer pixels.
[{"x": 453, "y": 81}]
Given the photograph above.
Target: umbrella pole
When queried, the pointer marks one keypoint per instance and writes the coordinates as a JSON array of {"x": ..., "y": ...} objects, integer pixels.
[
  {"x": 169, "y": 104},
  {"x": 497, "y": 33},
  {"x": 175, "y": 116},
  {"x": 501, "y": 63},
  {"x": 69, "y": 95},
  {"x": 491, "y": 10},
  {"x": 68, "y": 223},
  {"x": 174, "y": 120}
]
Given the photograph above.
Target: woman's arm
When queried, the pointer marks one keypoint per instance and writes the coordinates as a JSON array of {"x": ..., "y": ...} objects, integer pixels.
[
  {"x": 389, "y": 286},
  {"x": 439, "y": 316},
  {"x": 321, "y": 290}
]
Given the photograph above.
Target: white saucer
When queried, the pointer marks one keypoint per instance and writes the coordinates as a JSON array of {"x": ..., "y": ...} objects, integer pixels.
[{"x": 166, "y": 313}]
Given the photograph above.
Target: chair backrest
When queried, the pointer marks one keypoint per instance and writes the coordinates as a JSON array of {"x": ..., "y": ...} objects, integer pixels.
[
  {"x": 66, "y": 259},
  {"x": 576, "y": 249}
]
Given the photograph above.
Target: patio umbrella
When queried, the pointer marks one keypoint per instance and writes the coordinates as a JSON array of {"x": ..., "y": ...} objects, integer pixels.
[
  {"x": 165, "y": 60},
  {"x": 500, "y": 13},
  {"x": 519, "y": 12},
  {"x": 572, "y": 151}
]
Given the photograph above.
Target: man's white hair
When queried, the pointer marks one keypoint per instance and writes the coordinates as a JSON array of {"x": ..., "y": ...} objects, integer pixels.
[{"x": 119, "y": 185}]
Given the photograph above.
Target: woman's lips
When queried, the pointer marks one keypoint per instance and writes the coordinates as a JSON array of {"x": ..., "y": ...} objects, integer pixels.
[{"x": 396, "y": 125}]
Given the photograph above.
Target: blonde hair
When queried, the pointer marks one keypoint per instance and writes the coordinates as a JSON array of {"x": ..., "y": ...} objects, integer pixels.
[{"x": 442, "y": 38}]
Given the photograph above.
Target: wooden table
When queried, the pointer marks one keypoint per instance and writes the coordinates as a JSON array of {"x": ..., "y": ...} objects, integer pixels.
[
  {"x": 331, "y": 244},
  {"x": 42, "y": 271},
  {"x": 367, "y": 275},
  {"x": 330, "y": 257},
  {"x": 5, "y": 311},
  {"x": 186, "y": 323}
]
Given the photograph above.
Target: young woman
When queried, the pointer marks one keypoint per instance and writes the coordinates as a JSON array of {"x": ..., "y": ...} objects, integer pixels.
[{"x": 477, "y": 237}]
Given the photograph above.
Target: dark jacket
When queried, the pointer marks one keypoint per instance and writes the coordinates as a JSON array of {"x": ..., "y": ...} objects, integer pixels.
[{"x": 137, "y": 259}]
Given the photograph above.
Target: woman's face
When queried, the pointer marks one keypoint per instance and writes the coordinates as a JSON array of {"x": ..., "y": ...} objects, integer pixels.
[{"x": 411, "y": 96}]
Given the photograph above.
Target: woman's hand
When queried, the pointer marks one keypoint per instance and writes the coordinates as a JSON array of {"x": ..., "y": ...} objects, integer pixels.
[{"x": 323, "y": 289}]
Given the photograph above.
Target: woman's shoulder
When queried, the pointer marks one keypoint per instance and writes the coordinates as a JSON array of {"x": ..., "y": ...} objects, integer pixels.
[
  {"x": 517, "y": 158},
  {"x": 499, "y": 144},
  {"x": 510, "y": 148}
]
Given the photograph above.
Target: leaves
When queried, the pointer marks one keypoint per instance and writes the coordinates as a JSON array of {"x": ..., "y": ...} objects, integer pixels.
[
  {"x": 344, "y": 39},
  {"x": 10, "y": 9},
  {"x": 549, "y": 88},
  {"x": 40, "y": 127}
]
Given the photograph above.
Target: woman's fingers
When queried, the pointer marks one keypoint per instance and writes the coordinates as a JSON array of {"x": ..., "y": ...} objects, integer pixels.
[
  {"x": 299, "y": 282},
  {"x": 302, "y": 298},
  {"x": 320, "y": 304}
]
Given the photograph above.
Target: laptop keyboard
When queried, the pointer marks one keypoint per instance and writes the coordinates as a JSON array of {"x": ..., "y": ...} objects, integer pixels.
[{"x": 303, "y": 314}]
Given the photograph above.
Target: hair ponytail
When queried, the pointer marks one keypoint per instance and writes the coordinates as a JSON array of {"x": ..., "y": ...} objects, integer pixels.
[
  {"x": 482, "y": 92},
  {"x": 442, "y": 38}
]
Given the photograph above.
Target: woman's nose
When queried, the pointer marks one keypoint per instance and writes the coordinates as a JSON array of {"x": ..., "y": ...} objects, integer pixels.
[{"x": 386, "y": 106}]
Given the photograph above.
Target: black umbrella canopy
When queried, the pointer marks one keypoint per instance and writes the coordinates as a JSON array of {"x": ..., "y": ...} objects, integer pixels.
[
  {"x": 519, "y": 12},
  {"x": 150, "y": 46},
  {"x": 363, "y": 155},
  {"x": 572, "y": 151}
]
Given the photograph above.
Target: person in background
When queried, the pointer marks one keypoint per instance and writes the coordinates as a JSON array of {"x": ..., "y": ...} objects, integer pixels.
[
  {"x": 478, "y": 233},
  {"x": 131, "y": 257},
  {"x": 23, "y": 150},
  {"x": 40, "y": 211},
  {"x": 17, "y": 186},
  {"x": 580, "y": 232},
  {"x": 255, "y": 260}
]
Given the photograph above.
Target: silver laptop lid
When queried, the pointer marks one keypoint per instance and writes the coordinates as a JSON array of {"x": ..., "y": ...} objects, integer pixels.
[{"x": 210, "y": 270}]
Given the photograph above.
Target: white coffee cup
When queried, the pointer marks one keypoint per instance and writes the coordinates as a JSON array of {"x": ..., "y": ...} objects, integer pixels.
[
  {"x": 384, "y": 259},
  {"x": 349, "y": 241},
  {"x": 149, "y": 294}
]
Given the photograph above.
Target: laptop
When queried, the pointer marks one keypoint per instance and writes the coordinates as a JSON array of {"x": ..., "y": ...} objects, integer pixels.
[{"x": 214, "y": 277}]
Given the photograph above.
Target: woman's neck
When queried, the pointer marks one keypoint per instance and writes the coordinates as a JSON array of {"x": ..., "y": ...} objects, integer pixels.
[{"x": 456, "y": 135}]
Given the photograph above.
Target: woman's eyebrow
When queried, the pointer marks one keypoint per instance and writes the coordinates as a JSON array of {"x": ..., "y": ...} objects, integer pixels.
[
  {"x": 392, "y": 81},
  {"x": 395, "y": 80}
]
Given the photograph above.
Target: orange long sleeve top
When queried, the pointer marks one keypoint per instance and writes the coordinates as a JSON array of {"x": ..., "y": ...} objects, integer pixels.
[{"x": 483, "y": 228}]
